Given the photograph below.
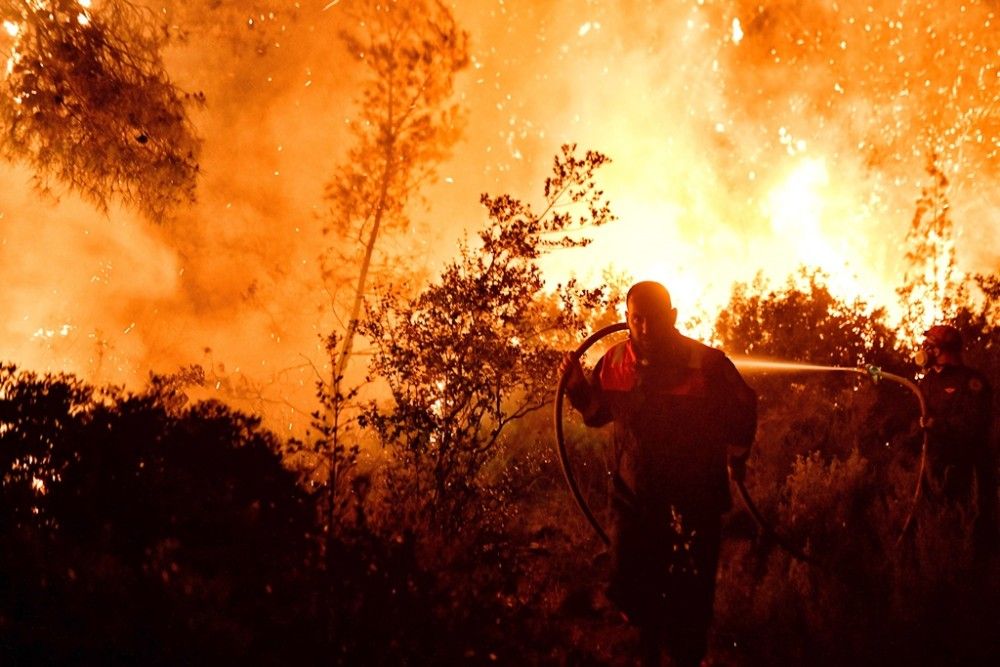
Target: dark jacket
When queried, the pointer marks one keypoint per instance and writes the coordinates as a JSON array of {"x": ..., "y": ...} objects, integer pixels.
[
  {"x": 959, "y": 402},
  {"x": 675, "y": 424}
]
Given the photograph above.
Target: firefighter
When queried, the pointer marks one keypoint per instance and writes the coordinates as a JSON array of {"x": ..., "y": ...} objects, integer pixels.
[
  {"x": 960, "y": 462},
  {"x": 681, "y": 415}
]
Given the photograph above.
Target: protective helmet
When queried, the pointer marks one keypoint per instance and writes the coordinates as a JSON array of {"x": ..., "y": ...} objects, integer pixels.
[{"x": 943, "y": 336}]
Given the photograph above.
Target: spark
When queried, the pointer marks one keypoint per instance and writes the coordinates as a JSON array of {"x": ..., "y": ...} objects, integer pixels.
[
  {"x": 12, "y": 28},
  {"x": 14, "y": 58},
  {"x": 332, "y": 3},
  {"x": 737, "y": 31},
  {"x": 43, "y": 333}
]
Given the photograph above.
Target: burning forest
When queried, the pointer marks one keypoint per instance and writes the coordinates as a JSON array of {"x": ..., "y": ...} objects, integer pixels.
[{"x": 323, "y": 321}]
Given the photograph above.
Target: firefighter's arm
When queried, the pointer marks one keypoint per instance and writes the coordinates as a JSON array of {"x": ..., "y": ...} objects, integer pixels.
[
  {"x": 586, "y": 396},
  {"x": 743, "y": 402}
]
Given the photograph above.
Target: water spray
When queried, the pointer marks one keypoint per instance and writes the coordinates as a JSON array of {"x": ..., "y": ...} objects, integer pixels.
[
  {"x": 747, "y": 364},
  {"x": 876, "y": 374}
]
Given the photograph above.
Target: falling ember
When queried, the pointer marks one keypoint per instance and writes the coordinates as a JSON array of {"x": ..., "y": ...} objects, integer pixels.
[
  {"x": 62, "y": 331},
  {"x": 737, "y": 31}
]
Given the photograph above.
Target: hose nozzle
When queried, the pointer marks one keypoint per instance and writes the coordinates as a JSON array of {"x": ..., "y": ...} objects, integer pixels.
[{"x": 874, "y": 372}]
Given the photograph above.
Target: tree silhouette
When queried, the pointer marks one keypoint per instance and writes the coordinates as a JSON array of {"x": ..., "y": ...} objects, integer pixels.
[
  {"x": 473, "y": 353},
  {"x": 804, "y": 321},
  {"x": 87, "y": 102},
  {"x": 406, "y": 125},
  {"x": 140, "y": 529},
  {"x": 932, "y": 289},
  {"x": 802, "y": 413}
]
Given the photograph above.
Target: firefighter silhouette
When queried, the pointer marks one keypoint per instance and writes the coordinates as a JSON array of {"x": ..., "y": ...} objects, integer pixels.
[
  {"x": 681, "y": 413},
  {"x": 961, "y": 465}
]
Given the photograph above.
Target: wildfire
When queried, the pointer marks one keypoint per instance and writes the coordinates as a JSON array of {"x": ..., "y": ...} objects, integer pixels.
[
  {"x": 781, "y": 137},
  {"x": 746, "y": 136}
]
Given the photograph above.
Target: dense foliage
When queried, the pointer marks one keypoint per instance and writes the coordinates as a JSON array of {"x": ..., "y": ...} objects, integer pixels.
[
  {"x": 140, "y": 529},
  {"x": 473, "y": 352},
  {"x": 87, "y": 103}
]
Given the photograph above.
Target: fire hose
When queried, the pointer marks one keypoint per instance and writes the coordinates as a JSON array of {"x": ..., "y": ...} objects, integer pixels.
[
  {"x": 561, "y": 440},
  {"x": 876, "y": 374}
]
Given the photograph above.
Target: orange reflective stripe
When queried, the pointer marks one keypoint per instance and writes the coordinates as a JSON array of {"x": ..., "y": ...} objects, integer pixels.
[{"x": 619, "y": 370}]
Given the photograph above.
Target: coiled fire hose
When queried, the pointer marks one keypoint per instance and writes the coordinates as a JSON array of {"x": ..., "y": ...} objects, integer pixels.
[
  {"x": 876, "y": 374},
  {"x": 558, "y": 423}
]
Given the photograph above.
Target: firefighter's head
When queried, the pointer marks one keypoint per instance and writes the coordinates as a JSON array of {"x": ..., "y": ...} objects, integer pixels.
[
  {"x": 650, "y": 316},
  {"x": 942, "y": 345}
]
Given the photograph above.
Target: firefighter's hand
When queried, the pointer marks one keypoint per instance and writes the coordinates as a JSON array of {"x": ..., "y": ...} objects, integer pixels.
[
  {"x": 737, "y": 469},
  {"x": 570, "y": 367}
]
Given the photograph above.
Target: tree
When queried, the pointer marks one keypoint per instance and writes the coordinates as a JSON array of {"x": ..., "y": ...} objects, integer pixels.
[
  {"x": 473, "y": 352},
  {"x": 932, "y": 289},
  {"x": 815, "y": 414},
  {"x": 804, "y": 321},
  {"x": 407, "y": 124},
  {"x": 87, "y": 102}
]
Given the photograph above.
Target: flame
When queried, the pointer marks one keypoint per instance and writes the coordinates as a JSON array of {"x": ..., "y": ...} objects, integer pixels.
[
  {"x": 798, "y": 208},
  {"x": 776, "y": 137},
  {"x": 746, "y": 136}
]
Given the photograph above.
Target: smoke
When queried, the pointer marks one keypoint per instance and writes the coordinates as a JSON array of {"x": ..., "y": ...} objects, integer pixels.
[
  {"x": 746, "y": 136},
  {"x": 231, "y": 283}
]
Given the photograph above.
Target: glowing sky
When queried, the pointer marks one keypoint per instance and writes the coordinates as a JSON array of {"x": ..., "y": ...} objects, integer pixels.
[{"x": 745, "y": 136}]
